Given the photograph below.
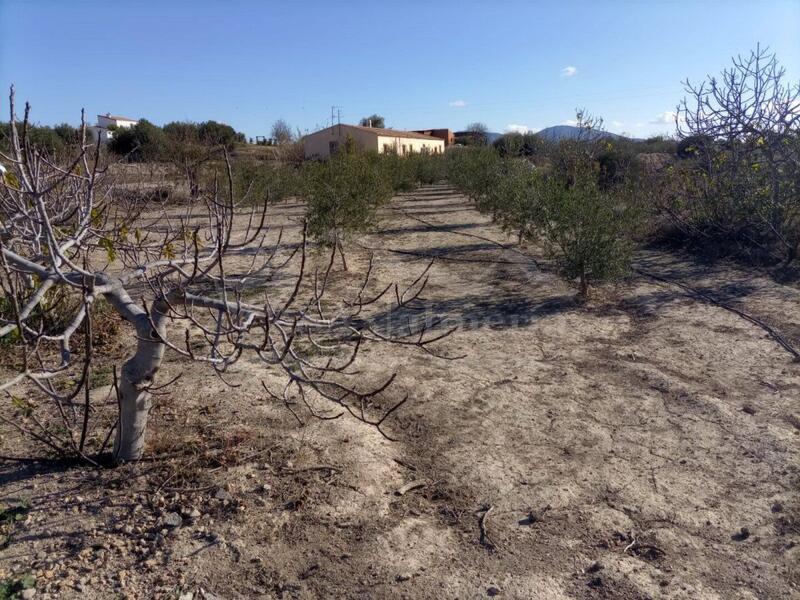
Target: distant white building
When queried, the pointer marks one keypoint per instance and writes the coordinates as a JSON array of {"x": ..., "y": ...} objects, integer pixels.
[
  {"x": 329, "y": 141},
  {"x": 107, "y": 123}
]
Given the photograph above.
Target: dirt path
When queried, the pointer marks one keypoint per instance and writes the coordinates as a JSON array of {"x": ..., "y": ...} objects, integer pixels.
[{"x": 642, "y": 446}]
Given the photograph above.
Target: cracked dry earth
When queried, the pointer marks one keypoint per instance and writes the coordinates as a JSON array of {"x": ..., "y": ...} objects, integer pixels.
[{"x": 644, "y": 445}]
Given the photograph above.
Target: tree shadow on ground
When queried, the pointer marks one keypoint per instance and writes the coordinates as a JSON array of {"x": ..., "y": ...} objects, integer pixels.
[
  {"x": 421, "y": 228},
  {"x": 700, "y": 276},
  {"x": 468, "y": 313}
]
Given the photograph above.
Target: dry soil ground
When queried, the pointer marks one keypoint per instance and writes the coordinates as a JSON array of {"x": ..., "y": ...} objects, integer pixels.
[{"x": 644, "y": 445}]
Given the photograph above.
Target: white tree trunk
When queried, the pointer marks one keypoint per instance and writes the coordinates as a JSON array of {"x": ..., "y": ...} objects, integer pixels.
[
  {"x": 137, "y": 376},
  {"x": 134, "y": 408}
]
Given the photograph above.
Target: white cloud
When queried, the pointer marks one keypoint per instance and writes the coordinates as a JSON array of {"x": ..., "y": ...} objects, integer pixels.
[
  {"x": 571, "y": 122},
  {"x": 569, "y": 71},
  {"x": 513, "y": 127},
  {"x": 617, "y": 123},
  {"x": 458, "y": 104},
  {"x": 666, "y": 118}
]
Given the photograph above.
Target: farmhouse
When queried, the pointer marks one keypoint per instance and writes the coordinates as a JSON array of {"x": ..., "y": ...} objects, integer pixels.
[
  {"x": 325, "y": 142},
  {"x": 107, "y": 123}
]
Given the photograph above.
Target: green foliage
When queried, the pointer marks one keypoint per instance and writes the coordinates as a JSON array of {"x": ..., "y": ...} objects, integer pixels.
[
  {"x": 24, "y": 408},
  {"x": 658, "y": 143},
  {"x": 428, "y": 168},
  {"x": 11, "y": 588},
  {"x": 69, "y": 134},
  {"x": 587, "y": 228},
  {"x": 515, "y": 201},
  {"x": 143, "y": 142},
  {"x": 401, "y": 171},
  {"x": 474, "y": 171},
  {"x": 579, "y": 208},
  {"x": 212, "y": 133},
  {"x": 521, "y": 144},
  {"x": 189, "y": 146},
  {"x": 55, "y": 141},
  {"x": 257, "y": 182},
  {"x": 614, "y": 162},
  {"x": 343, "y": 194},
  {"x": 694, "y": 146},
  {"x": 727, "y": 197},
  {"x": 350, "y": 146},
  {"x": 108, "y": 245},
  {"x": 11, "y": 512},
  {"x": 373, "y": 120},
  {"x": 101, "y": 376},
  {"x": 185, "y": 132}
]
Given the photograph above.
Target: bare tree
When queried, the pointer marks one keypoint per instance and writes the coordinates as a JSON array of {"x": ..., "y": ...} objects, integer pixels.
[
  {"x": 281, "y": 132},
  {"x": 478, "y": 133},
  {"x": 180, "y": 278},
  {"x": 749, "y": 124}
]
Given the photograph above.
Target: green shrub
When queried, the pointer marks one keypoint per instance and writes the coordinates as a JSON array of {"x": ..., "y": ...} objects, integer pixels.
[
  {"x": 257, "y": 182},
  {"x": 343, "y": 195},
  {"x": 521, "y": 144},
  {"x": 475, "y": 172},
  {"x": 515, "y": 199},
  {"x": 586, "y": 229},
  {"x": 143, "y": 142}
]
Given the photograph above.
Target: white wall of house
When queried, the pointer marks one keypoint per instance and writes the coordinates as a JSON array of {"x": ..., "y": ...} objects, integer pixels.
[
  {"x": 408, "y": 145},
  {"x": 323, "y": 143},
  {"x": 101, "y": 132}
]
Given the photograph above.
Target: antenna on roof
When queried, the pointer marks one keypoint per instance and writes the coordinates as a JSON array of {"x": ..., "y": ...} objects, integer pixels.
[{"x": 336, "y": 118}]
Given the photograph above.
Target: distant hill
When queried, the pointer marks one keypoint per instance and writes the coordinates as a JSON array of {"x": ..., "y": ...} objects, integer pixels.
[{"x": 569, "y": 132}]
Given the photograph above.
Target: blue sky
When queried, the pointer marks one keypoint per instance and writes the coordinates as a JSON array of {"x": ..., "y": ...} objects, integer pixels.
[{"x": 419, "y": 63}]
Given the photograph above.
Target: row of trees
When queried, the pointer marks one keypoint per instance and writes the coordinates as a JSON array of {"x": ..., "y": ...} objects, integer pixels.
[
  {"x": 187, "y": 145},
  {"x": 56, "y": 141},
  {"x": 343, "y": 194},
  {"x": 585, "y": 223}
]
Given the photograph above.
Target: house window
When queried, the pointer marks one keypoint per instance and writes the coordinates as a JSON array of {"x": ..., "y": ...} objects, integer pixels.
[
  {"x": 333, "y": 147},
  {"x": 387, "y": 148},
  {"x": 404, "y": 149}
]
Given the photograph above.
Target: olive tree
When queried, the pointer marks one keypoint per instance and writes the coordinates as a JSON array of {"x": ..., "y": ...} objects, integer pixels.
[
  {"x": 343, "y": 195},
  {"x": 180, "y": 278},
  {"x": 585, "y": 220},
  {"x": 587, "y": 229},
  {"x": 474, "y": 171},
  {"x": 515, "y": 199}
]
